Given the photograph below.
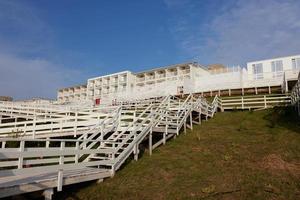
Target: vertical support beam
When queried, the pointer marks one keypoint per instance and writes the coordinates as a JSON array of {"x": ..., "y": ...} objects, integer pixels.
[
  {"x": 200, "y": 116},
  {"x": 60, "y": 171},
  {"x": 112, "y": 171},
  {"x": 243, "y": 92},
  {"x": 265, "y": 101},
  {"x": 77, "y": 155},
  {"x": 191, "y": 120},
  {"x": 48, "y": 194},
  {"x": 242, "y": 102},
  {"x": 47, "y": 143},
  {"x": 75, "y": 126},
  {"x": 256, "y": 92},
  {"x": 3, "y": 144},
  {"x": 286, "y": 86},
  {"x": 150, "y": 142},
  {"x": 20, "y": 161},
  {"x": 85, "y": 141},
  {"x": 16, "y": 120},
  {"x": 136, "y": 152},
  {"x": 166, "y": 130},
  {"x": 229, "y": 92},
  {"x": 34, "y": 126},
  {"x": 270, "y": 91}
]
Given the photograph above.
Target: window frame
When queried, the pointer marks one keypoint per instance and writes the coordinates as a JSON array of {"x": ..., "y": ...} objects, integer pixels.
[
  {"x": 258, "y": 74},
  {"x": 296, "y": 63}
]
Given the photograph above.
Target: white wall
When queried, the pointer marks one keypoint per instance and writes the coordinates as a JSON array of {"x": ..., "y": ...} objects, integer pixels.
[
  {"x": 267, "y": 68},
  {"x": 221, "y": 81}
]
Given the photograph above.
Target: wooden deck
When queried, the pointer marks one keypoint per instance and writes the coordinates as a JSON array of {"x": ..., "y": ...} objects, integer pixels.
[{"x": 14, "y": 185}]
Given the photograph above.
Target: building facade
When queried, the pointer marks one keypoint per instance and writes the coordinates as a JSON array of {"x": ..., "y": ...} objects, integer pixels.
[
  {"x": 72, "y": 94},
  {"x": 183, "y": 78}
]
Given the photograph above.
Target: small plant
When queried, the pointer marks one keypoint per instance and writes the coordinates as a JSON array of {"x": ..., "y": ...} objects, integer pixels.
[
  {"x": 227, "y": 157},
  {"x": 209, "y": 189}
]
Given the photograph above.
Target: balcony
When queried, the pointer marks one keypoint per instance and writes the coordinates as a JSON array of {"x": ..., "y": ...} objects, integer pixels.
[
  {"x": 161, "y": 76},
  {"x": 114, "y": 83},
  {"x": 141, "y": 79},
  {"x": 185, "y": 71}
]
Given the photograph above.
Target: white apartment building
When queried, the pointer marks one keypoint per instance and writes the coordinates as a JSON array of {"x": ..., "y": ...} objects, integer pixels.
[
  {"x": 185, "y": 78},
  {"x": 106, "y": 87},
  {"x": 72, "y": 94}
]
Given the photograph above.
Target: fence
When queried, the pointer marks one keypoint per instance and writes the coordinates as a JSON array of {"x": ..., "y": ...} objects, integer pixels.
[{"x": 255, "y": 102}]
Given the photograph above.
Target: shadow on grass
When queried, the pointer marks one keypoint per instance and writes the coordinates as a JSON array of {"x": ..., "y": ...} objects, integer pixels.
[{"x": 284, "y": 117}]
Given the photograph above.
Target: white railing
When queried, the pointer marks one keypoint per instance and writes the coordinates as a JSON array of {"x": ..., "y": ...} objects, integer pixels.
[
  {"x": 295, "y": 95},
  {"x": 254, "y": 102},
  {"x": 41, "y": 156},
  {"x": 37, "y": 127}
]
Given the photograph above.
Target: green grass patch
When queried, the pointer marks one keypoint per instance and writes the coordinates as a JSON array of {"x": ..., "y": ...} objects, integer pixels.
[{"x": 235, "y": 155}]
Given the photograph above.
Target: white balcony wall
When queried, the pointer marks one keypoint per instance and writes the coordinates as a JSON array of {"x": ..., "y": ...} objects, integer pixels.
[{"x": 222, "y": 81}]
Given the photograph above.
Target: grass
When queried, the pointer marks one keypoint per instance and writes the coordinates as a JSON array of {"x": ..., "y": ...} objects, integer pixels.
[{"x": 236, "y": 155}]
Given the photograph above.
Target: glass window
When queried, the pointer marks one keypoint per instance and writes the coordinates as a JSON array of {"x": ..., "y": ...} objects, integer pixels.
[
  {"x": 257, "y": 70},
  {"x": 277, "y": 66},
  {"x": 296, "y": 63}
]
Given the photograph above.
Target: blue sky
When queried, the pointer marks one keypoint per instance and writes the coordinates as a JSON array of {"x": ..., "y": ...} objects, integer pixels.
[{"x": 45, "y": 45}]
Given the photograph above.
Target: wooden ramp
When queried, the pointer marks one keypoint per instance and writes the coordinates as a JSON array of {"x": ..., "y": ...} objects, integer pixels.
[
  {"x": 13, "y": 185},
  {"x": 31, "y": 164}
]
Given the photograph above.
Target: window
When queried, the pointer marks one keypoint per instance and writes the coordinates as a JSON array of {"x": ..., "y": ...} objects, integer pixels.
[
  {"x": 296, "y": 63},
  {"x": 258, "y": 71},
  {"x": 277, "y": 68}
]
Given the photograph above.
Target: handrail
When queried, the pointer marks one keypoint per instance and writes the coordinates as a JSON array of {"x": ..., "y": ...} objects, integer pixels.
[
  {"x": 295, "y": 95},
  {"x": 109, "y": 153}
]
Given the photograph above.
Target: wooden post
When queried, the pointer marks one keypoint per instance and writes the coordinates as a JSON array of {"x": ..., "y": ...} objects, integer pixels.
[
  {"x": 48, "y": 194},
  {"x": 60, "y": 171},
  {"x": 47, "y": 143},
  {"x": 265, "y": 101},
  {"x": 136, "y": 152},
  {"x": 3, "y": 144},
  {"x": 270, "y": 91},
  {"x": 191, "y": 120},
  {"x": 242, "y": 102},
  {"x": 77, "y": 154},
  {"x": 34, "y": 126},
  {"x": 150, "y": 142},
  {"x": 21, "y": 149},
  {"x": 75, "y": 126},
  {"x": 113, "y": 171}
]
